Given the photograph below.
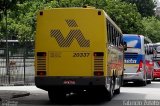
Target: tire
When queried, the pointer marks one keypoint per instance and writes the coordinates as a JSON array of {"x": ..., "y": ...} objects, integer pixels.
[
  {"x": 153, "y": 79},
  {"x": 144, "y": 83},
  {"x": 50, "y": 95},
  {"x": 98, "y": 93},
  {"x": 122, "y": 81},
  {"x": 117, "y": 91},
  {"x": 111, "y": 91},
  {"x": 149, "y": 82},
  {"x": 56, "y": 96}
]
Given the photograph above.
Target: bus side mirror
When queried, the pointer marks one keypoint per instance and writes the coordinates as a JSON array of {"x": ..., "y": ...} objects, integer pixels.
[{"x": 125, "y": 46}]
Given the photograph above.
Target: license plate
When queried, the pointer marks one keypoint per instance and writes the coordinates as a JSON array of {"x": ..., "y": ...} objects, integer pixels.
[{"x": 69, "y": 82}]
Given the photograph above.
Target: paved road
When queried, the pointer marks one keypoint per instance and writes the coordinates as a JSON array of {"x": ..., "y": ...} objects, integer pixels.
[{"x": 131, "y": 95}]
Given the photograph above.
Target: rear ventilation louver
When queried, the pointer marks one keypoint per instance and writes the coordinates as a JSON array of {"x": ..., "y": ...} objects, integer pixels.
[
  {"x": 41, "y": 61},
  {"x": 98, "y": 61}
]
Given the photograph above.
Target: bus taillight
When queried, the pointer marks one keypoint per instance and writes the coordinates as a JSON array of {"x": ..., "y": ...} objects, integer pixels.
[{"x": 140, "y": 66}]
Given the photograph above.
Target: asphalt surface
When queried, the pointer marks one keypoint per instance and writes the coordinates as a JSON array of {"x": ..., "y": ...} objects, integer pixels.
[{"x": 131, "y": 95}]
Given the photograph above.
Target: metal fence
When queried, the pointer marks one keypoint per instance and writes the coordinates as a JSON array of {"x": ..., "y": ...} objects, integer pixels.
[{"x": 20, "y": 64}]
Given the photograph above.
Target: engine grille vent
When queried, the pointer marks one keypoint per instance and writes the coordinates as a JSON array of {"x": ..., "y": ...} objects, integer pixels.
[{"x": 41, "y": 61}]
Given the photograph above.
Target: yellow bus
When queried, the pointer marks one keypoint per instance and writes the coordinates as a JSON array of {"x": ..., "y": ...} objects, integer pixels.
[{"x": 78, "y": 49}]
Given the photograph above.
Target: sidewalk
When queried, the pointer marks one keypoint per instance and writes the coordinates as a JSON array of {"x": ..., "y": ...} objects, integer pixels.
[{"x": 9, "y": 92}]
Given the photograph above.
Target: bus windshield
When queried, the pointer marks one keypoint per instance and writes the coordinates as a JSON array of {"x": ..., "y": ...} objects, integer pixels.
[{"x": 132, "y": 41}]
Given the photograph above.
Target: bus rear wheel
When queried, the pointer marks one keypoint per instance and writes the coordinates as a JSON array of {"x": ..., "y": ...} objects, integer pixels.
[
  {"x": 111, "y": 90},
  {"x": 144, "y": 83},
  {"x": 117, "y": 91},
  {"x": 56, "y": 96},
  {"x": 148, "y": 81}
]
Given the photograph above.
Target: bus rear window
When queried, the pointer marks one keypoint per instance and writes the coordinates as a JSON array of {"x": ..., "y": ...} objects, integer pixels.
[{"x": 132, "y": 41}]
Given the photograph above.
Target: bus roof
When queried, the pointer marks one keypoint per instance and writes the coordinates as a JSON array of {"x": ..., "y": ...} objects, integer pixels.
[
  {"x": 145, "y": 37},
  {"x": 90, "y": 7}
]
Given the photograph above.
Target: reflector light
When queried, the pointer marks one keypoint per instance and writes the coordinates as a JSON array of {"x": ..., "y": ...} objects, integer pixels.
[
  {"x": 99, "y": 12},
  {"x": 98, "y": 54},
  {"x": 41, "y": 73},
  {"x": 98, "y": 73},
  {"x": 41, "y": 13}
]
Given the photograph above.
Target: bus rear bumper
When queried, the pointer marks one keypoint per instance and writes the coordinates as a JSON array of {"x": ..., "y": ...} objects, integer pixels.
[
  {"x": 69, "y": 82},
  {"x": 133, "y": 77}
]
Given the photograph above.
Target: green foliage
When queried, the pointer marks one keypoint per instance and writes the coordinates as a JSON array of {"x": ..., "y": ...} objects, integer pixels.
[
  {"x": 96, "y": 3},
  {"x": 125, "y": 15},
  {"x": 151, "y": 24},
  {"x": 22, "y": 20},
  {"x": 21, "y": 15},
  {"x": 145, "y": 7},
  {"x": 151, "y": 28},
  {"x": 7, "y": 4}
]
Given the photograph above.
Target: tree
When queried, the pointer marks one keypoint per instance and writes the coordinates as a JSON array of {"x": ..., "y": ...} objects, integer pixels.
[
  {"x": 125, "y": 15},
  {"x": 96, "y": 3},
  {"x": 8, "y": 5},
  {"x": 151, "y": 28},
  {"x": 145, "y": 7},
  {"x": 22, "y": 20}
]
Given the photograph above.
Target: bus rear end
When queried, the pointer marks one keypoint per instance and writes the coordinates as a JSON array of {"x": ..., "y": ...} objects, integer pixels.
[
  {"x": 70, "y": 50},
  {"x": 134, "y": 59}
]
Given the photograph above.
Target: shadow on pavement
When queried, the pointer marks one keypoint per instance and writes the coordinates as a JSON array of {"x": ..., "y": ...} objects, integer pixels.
[
  {"x": 83, "y": 99},
  {"x": 156, "y": 80},
  {"x": 132, "y": 85},
  {"x": 154, "y": 84}
]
